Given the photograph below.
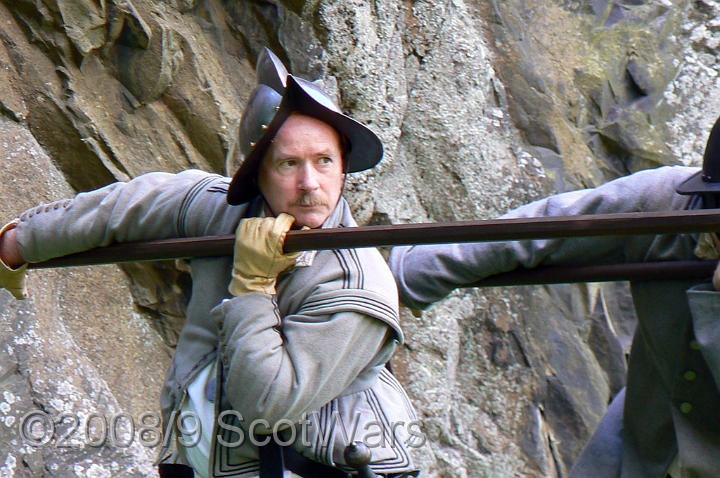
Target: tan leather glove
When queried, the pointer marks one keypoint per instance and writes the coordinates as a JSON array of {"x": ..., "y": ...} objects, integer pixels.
[
  {"x": 12, "y": 279},
  {"x": 259, "y": 257}
]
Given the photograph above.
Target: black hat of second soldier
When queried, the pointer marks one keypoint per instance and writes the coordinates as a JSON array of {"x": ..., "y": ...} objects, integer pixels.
[
  {"x": 707, "y": 180},
  {"x": 277, "y": 95}
]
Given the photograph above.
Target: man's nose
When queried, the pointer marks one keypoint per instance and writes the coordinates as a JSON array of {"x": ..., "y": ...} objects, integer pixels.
[{"x": 308, "y": 178}]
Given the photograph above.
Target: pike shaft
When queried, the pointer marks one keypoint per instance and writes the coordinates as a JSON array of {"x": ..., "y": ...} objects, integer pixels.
[{"x": 507, "y": 229}]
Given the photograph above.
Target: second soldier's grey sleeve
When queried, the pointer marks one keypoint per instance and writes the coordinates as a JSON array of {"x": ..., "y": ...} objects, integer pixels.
[{"x": 427, "y": 273}]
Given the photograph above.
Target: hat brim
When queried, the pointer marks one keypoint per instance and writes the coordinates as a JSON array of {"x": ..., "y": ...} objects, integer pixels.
[
  {"x": 695, "y": 184},
  {"x": 364, "y": 149}
]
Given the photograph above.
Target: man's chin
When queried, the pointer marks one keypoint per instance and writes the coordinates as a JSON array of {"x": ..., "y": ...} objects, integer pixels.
[{"x": 311, "y": 219}]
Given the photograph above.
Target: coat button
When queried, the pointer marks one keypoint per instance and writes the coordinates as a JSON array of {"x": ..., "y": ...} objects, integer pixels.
[
  {"x": 694, "y": 345},
  {"x": 686, "y": 407},
  {"x": 689, "y": 375}
]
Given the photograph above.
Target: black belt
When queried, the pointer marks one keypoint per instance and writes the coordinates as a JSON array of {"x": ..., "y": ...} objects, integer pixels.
[{"x": 275, "y": 459}]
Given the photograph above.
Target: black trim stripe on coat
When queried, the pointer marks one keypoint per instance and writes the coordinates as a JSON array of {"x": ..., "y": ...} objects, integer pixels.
[{"x": 188, "y": 200}]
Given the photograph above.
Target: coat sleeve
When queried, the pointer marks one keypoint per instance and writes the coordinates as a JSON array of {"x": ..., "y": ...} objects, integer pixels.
[
  {"x": 427, "y": 273},
  {"x": 279, "y": 369},
  {"x": 151, "y": 206}
]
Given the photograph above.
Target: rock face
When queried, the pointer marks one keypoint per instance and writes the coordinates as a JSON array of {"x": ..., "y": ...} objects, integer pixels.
[{"x": 482, "y": 106}]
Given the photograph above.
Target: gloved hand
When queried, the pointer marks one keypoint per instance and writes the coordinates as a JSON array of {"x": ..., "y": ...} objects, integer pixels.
[
  {"x": 12, "y": 279},
  {"x": 259, "y": 257}
]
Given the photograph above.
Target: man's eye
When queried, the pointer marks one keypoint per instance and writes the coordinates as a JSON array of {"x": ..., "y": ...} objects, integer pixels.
[
  {"x": 325, "y": 160},
  {"x": 288, "y": 163}
]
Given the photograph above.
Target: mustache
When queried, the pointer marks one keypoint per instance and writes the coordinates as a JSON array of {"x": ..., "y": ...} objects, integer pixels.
[{"x": 310, "y": 200}]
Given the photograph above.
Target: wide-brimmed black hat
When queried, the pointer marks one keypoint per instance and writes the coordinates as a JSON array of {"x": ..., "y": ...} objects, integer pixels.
[
  {"x": 277, "y": 95},
  {"x": 708, "y": 179}
]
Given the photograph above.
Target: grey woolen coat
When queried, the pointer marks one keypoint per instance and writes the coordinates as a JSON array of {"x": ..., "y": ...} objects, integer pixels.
[
  {"x": 313, "y": 355},
  {"x": 671, "y": 404}
]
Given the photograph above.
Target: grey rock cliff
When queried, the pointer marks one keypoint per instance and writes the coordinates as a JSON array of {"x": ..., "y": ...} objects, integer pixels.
[{"x": 482, "y": 106}]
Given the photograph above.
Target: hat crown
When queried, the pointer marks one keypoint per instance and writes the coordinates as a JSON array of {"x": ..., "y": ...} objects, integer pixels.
[
  {"x": 706, "y": 181},
  {"x": 259, "y": 112},
  {"x": 711, "y": 156},
  {"x": 270, "y": 71},
  {"x": 265, "y": 99}
]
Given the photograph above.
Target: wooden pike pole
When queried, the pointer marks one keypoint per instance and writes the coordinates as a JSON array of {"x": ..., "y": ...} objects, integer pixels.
[{"x": 509, "y": 229}]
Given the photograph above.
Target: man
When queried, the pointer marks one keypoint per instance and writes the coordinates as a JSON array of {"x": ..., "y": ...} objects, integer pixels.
[
  {"x": 667, "y": 419},
  {"x": 293, "y": 351}
]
